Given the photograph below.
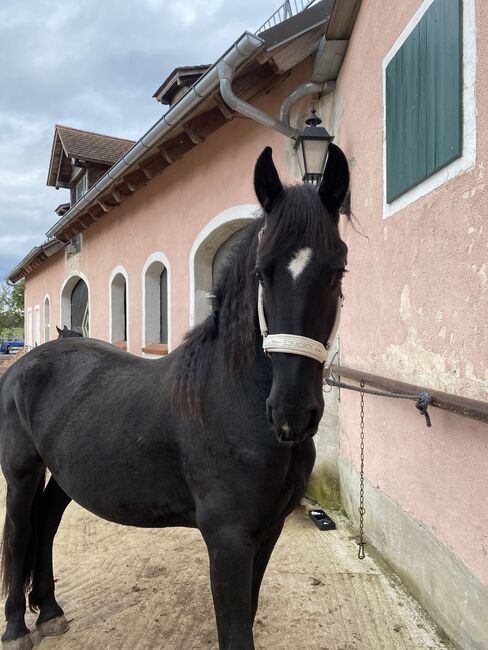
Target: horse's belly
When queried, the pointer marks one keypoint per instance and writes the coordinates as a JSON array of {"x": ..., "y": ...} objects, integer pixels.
[{"x": 134, "y": 494}]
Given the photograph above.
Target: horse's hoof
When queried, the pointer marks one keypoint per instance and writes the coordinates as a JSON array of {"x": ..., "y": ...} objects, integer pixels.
[
  {"x": 54, "y": 627},
  {"x": 21, "y": 643}
]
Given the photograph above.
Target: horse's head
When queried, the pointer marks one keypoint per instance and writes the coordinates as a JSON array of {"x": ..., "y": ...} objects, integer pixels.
[
  {"x": 65, "y": 333},
  {"x": 300, "y": 262}
]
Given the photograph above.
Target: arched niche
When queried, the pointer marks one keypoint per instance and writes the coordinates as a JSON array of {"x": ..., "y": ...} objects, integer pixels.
[
  {"x": 47, "y": 319},
  {"x": 156, "y": 305},
  {"x": 75, "y": 304},
  {"x": 119, "y": 308},
  {"x": 209, "y": 251}
]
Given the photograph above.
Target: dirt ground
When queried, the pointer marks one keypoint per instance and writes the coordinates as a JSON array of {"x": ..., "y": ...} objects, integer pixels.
[{"x": 135, "y": 589}]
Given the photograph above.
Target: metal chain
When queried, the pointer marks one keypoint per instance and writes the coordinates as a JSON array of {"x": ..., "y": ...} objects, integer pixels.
[{"x": 361, "y": 509}]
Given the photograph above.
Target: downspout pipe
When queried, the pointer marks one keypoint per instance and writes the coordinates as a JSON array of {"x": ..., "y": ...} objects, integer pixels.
[
  {"x": 226, "y": 75},
  {"x": 282, "y": 125},
  {"x": 240, "y": 52},
  {"x": 307, "y": 88}
]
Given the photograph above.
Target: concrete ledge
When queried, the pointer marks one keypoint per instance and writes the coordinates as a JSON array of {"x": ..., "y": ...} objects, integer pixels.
[{"x": 439, "y": 581}]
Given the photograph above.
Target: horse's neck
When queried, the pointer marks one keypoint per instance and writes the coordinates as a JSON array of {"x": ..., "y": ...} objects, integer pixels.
[{"x": 258, "y": 371}]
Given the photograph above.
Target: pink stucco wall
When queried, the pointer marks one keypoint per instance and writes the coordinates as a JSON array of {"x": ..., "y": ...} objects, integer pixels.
[
  {"x": 417, "y": 305},
  {"x": 165, "y": 216},
  {"x": 416, "y": 296}
]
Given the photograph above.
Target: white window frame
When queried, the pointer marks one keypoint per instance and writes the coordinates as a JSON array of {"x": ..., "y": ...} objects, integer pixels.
[
  {"x": 206, "y": 244},
  {"x": 47, "y": 325},
  {"x": 82, "y": 183},
  {"x": 65, "y": 299},
  {"x": 162, "y": 258},
  {"x": 119, "y": 270},
  {"x": 37, "y": 325},
  {"x": 468, "y": 158},
  {"x": 29, "y": 328}
]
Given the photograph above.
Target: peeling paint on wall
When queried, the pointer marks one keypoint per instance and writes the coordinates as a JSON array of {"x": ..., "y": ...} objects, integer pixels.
[{"x": 447, "y": 371}]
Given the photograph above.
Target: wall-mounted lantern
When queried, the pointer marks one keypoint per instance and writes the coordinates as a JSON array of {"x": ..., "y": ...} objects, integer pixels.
[{"x": 311, "y": 147}]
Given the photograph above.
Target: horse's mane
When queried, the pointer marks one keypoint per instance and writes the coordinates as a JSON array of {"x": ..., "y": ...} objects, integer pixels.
[{"x": 298, "y": 219}]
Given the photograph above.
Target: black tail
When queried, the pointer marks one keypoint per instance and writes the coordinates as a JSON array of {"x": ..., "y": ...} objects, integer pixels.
[{"x": 31, "y": 554}]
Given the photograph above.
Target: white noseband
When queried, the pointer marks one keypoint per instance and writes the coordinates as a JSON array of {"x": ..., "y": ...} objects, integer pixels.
[{"x": 293, "y": 343}]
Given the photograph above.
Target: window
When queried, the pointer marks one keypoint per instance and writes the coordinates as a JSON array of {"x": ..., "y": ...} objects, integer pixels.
[
  {"x": 79, "y": 308},
  {"x": 47, "y": 319},
  {"x": 118, "y": 310},
  {"x": 29, "y": 328},
  {"x": 37, "y": 325},
  {"x": 75, "y": 310},
  {"x": 424, "y": 99},
  {"x": 155, "y": 306},
  {"x": 210, "y": 250},
  {"x": 81, "y": 186}
]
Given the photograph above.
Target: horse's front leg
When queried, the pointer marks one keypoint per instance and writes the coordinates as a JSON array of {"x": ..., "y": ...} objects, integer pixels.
[{"x": 231, "y": 553}]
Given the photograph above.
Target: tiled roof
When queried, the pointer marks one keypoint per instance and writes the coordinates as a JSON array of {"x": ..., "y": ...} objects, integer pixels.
[{"x": 87, "y": 145}]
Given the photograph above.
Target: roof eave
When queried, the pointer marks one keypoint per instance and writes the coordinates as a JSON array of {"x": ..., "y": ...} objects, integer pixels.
[{"x": 244, "y": 49}]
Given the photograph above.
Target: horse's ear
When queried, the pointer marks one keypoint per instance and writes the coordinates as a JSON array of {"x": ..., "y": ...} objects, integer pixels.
[
  {"x": 335, "y": 181},
  {"x": 267, "y": 184},
  {"x": 59, "y": 331},
  {"x": 65, "y": 328}
]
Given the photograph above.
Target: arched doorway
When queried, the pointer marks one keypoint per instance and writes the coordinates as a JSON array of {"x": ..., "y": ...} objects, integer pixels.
[
  {"x": 119, "y": 324},
  {"x": 75, "y": 305},
  {"x": 156, "y": 305},
  {"x": 47, "y": 319},
  {"x": 209, "y": 253},
  {"x": 79, "y": 308}
]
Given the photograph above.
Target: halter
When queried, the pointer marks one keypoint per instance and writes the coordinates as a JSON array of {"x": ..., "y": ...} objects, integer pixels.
[{"x": 294, "y": 343}]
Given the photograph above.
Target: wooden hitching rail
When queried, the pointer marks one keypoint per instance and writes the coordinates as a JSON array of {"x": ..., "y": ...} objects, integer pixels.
[{"x": 470, "y": 408}]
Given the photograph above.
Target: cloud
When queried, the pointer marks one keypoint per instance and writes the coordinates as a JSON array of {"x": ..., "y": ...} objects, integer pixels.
[{"x": 92, "y": 65}]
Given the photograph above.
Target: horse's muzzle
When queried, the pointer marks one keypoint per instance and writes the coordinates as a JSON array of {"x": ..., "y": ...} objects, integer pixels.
[{"x": 292, "y": 424}]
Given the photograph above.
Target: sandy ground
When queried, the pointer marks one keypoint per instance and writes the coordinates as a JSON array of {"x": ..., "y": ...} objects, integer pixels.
[{"x": 134, "y": 589}]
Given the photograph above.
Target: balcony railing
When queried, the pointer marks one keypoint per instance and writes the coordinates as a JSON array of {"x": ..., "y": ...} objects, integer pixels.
[{"x": 288, "y": 9}]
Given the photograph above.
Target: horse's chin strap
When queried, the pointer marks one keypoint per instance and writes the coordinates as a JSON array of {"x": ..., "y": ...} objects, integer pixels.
[{"x": 293, "y": 343}]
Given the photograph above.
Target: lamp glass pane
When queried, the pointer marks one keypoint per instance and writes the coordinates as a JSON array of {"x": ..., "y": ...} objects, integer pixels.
[{"x": 314, "y": 151}]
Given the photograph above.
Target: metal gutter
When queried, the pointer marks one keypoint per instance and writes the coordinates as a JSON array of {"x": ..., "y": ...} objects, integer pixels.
[
  {"x": 30, "y": 255},
  {"x": 240, "y": 52},
  {"x": 226, "y": 73}
]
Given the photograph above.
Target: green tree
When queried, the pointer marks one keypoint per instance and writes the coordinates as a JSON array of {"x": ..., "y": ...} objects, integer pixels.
[
  {"x": 11, "y": 306},
  {"x": 18, "y": 292}
]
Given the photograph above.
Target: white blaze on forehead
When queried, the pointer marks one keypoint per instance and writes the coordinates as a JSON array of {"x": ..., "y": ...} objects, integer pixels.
[{"x": 299, "y": 261}]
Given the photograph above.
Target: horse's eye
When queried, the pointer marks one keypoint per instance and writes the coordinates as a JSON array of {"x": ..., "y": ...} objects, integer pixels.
[{"x": 259, "y": 276}]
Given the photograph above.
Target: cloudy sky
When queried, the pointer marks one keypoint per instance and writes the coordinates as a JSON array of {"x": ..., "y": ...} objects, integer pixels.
[{"x": 94, "y": 65}]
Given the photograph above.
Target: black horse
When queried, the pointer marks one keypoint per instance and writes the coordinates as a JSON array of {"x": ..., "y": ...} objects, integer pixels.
[
  {"x": 65, "y": 333},
  {"x": 218, "y": 435}
]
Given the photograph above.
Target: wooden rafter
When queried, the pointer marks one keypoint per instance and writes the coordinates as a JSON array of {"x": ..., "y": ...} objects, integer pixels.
[
  {"x": 131, "y": 187},
  {"x": 103, "y": 206},
  {"x": 146, "y": 172},
  {"x": 223, "y": 108},
  {"x": 195, "y": 137},
  {"x": 164, "y": 152}
]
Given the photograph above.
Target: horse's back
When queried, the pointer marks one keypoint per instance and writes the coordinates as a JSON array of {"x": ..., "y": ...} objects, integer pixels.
[{"x": 100, "y": 420}]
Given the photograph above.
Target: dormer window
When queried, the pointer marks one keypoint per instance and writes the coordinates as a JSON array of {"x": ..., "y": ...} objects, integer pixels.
[{"x": 81, "y": 187}]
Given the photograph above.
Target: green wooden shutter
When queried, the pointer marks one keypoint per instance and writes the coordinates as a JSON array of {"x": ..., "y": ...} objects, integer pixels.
[{"x": 423, "y": 99}]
